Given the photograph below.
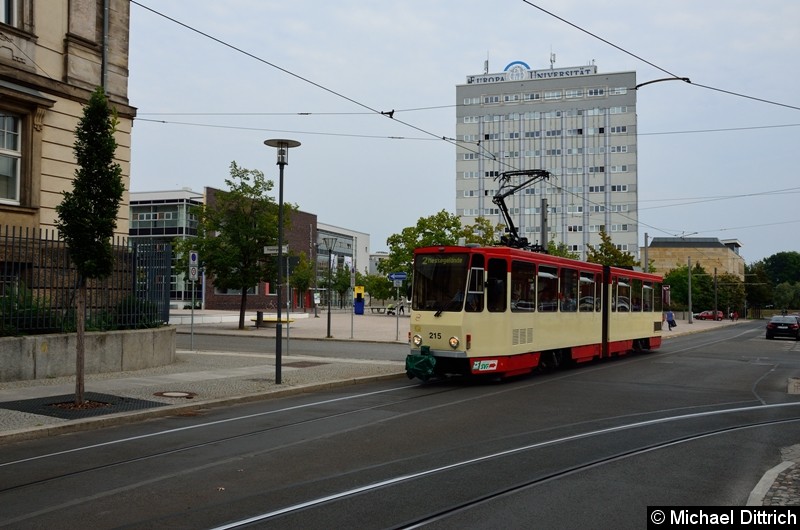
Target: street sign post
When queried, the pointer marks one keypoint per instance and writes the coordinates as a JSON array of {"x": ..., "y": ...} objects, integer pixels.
[{"x": 398, "y": 276}]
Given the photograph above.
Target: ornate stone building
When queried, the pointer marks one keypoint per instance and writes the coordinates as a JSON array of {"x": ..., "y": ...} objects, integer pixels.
[{"x": 53, "y": 55}]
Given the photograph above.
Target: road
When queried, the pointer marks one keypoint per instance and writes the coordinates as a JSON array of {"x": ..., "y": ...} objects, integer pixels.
[{"x": 698, "y": 423}]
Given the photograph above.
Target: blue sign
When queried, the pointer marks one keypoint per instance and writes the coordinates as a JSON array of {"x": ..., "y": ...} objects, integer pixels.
[{"x": 398, "y": 276}]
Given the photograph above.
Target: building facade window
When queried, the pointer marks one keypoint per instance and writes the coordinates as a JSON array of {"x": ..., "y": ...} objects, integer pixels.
[
  {"x": 10, "y": 158},
  {"x": 8, "y": 12}
]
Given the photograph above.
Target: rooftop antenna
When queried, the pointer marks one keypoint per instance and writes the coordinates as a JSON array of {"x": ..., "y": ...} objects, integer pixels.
[
  {"x": 552, "y": 59},
  {"x": 486, "y": 63}
]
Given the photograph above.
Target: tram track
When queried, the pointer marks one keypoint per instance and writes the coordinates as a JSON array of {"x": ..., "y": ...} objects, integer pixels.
[
  {"x": 385, "y": 477},
  {"x": 443, "y": 513}
]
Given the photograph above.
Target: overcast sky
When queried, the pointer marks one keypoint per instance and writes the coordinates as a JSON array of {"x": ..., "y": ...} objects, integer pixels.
[{"x": 215, "y": 79}]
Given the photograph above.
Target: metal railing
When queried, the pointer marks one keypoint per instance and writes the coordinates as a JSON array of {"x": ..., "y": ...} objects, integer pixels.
[{"x": 38, "y": 285}]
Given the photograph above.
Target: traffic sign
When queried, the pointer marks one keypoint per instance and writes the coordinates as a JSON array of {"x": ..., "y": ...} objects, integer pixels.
[
  {"x": 194, "y": 262},
  {"x": 273, "y": 249},
  {"x": 398, "y": 276}
]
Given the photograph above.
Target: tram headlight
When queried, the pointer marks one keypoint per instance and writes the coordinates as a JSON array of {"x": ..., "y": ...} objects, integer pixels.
[
  {"x": 454, "y": 342},
  {"x": 417, "y": 340}
]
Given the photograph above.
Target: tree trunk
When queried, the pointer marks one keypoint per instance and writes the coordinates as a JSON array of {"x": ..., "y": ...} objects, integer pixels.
[
  {"x": 242, "y": 308},
  {"x": 80, "y": 346}
]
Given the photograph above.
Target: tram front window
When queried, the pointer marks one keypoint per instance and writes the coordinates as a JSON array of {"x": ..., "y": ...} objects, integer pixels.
[{"x": 439, "y": 282}]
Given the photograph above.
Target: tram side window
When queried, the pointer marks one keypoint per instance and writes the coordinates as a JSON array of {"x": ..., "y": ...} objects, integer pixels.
[
  {"x": 523, "y": 286},
  {"x": 658, "y": 301},
  {"x": 647, "y": 296},
  {"x": 474, "y": 301},
  {"x": 586, "y": 300},
  {"x": 496, "y": 274},
  {"x": 636, "y": 295},
  {"x": 569, "y": 290},
  {"x": 622, "y": 301},
  {"x": 547, "y": 289}
]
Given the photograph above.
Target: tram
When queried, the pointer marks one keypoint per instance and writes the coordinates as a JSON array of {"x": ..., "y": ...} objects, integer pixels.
[{"x": 508, "y": 310}]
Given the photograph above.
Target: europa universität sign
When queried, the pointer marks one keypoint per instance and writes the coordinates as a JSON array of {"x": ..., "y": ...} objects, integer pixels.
[{"x": 520, "y": 71}]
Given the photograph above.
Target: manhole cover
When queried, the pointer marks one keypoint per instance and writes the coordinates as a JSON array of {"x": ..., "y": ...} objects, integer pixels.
[{"x": 176, "y": 394}]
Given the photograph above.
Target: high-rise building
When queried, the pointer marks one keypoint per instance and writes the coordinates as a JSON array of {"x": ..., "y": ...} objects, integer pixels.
[{"x": 574, "y": 122}]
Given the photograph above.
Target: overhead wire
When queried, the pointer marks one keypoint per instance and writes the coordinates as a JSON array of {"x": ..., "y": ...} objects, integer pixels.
[{"x": 480, "y": 150}]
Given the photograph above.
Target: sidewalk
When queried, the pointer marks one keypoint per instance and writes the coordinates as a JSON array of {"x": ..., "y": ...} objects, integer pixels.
[{"x": 208, "y": 378}]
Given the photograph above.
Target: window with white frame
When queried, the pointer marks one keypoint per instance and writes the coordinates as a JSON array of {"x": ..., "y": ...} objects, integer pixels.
[
  {"x": 552, "y": 94},
  {"x": 572, "y": 93},
  {"x": 10, "y": 158},
  {"x": 535, "y": 96},
  {"x": 595, "y": 92},
  {"x": 489, "y": 100}
]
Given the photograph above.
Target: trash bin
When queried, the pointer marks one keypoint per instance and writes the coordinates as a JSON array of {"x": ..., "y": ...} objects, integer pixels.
[{"x": 259, "y": 319}]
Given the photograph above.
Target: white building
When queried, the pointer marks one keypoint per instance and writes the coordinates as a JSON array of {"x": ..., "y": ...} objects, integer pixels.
[{"x": 577, "y": 124}]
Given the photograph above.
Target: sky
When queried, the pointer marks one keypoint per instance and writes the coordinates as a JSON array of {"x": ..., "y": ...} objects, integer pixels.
[{"x": 212, "y": 80}]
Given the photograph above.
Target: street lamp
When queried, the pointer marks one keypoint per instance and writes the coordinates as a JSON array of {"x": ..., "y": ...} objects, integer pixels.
[
  {"x": 283, "y": 159},
  {"x": 330, "y": 243}
]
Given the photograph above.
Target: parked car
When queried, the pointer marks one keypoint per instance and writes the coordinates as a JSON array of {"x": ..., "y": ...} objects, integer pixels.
[
  {"x": 783, "y": 326},
  {"x": 709, "y": 315}
]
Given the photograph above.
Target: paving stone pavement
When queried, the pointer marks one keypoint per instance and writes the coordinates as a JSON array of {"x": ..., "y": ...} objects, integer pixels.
[{"x": 207, "y": 378}]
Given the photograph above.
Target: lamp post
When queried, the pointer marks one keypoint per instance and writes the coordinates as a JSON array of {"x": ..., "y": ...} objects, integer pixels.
[
  {"x": 283, "y": 159},
  {"x": 330, "y": 243}
]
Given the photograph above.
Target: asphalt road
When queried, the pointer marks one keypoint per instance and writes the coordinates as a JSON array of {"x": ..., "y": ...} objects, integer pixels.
[{"x": 697, "y": 423}]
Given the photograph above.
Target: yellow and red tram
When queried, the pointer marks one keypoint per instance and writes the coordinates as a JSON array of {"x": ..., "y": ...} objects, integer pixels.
[{"x": 506, "y": 311}]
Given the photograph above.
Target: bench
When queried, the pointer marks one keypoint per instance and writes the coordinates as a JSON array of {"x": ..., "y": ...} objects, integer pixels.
[
  {"x": 270, "y": 322},
  {"x": 380, "y": 310}
]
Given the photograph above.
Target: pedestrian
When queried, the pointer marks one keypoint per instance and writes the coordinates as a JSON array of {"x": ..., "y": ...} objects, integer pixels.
[
  {"x": 735, "y": 316},
  {"x": 670, "y": 319}
]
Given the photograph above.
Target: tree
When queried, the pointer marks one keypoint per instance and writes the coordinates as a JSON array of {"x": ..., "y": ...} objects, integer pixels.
[
  {"x": 702, "y": 287},
  {"x": 87, "y": 216},
  {"x": 608, "y": 254},
  {"x": 783, "y": 267},
  {"x": 560, "y": 250},
  {"x": 439, "y": 229},
  {"x": 482, "y": 232},
  {"x": 233, "y": 230},
  {"x": 758, "y": 285},
  {"x": 341, "y": 283},
  {"x": 730, "y": 292},
  {"x": 302, "y": 276},
  {"x": 378, "y": 286}
]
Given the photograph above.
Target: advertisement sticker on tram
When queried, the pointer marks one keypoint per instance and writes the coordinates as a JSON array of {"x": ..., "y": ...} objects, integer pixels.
[{"x": 488, "y": 365}]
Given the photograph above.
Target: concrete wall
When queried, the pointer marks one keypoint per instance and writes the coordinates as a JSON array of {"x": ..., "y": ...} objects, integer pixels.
[{"x": 44, "y": 356}]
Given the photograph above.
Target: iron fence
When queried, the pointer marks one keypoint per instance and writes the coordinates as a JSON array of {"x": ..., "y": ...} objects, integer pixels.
[{"x": 38, "y": 285}]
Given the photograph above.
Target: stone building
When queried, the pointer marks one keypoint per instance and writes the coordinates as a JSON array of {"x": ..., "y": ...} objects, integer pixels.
[
  {"x": 667, "y": 253},
  {"x": 53, "y": 55}
]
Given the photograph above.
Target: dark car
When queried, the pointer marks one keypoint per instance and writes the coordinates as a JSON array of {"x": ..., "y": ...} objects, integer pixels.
[
  {"x": 709, "y": 315},
  {"x": 783, "y": 326}
]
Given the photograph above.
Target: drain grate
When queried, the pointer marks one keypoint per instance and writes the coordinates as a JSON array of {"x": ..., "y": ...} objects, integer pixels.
[{"x": 58, "y": 406}]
